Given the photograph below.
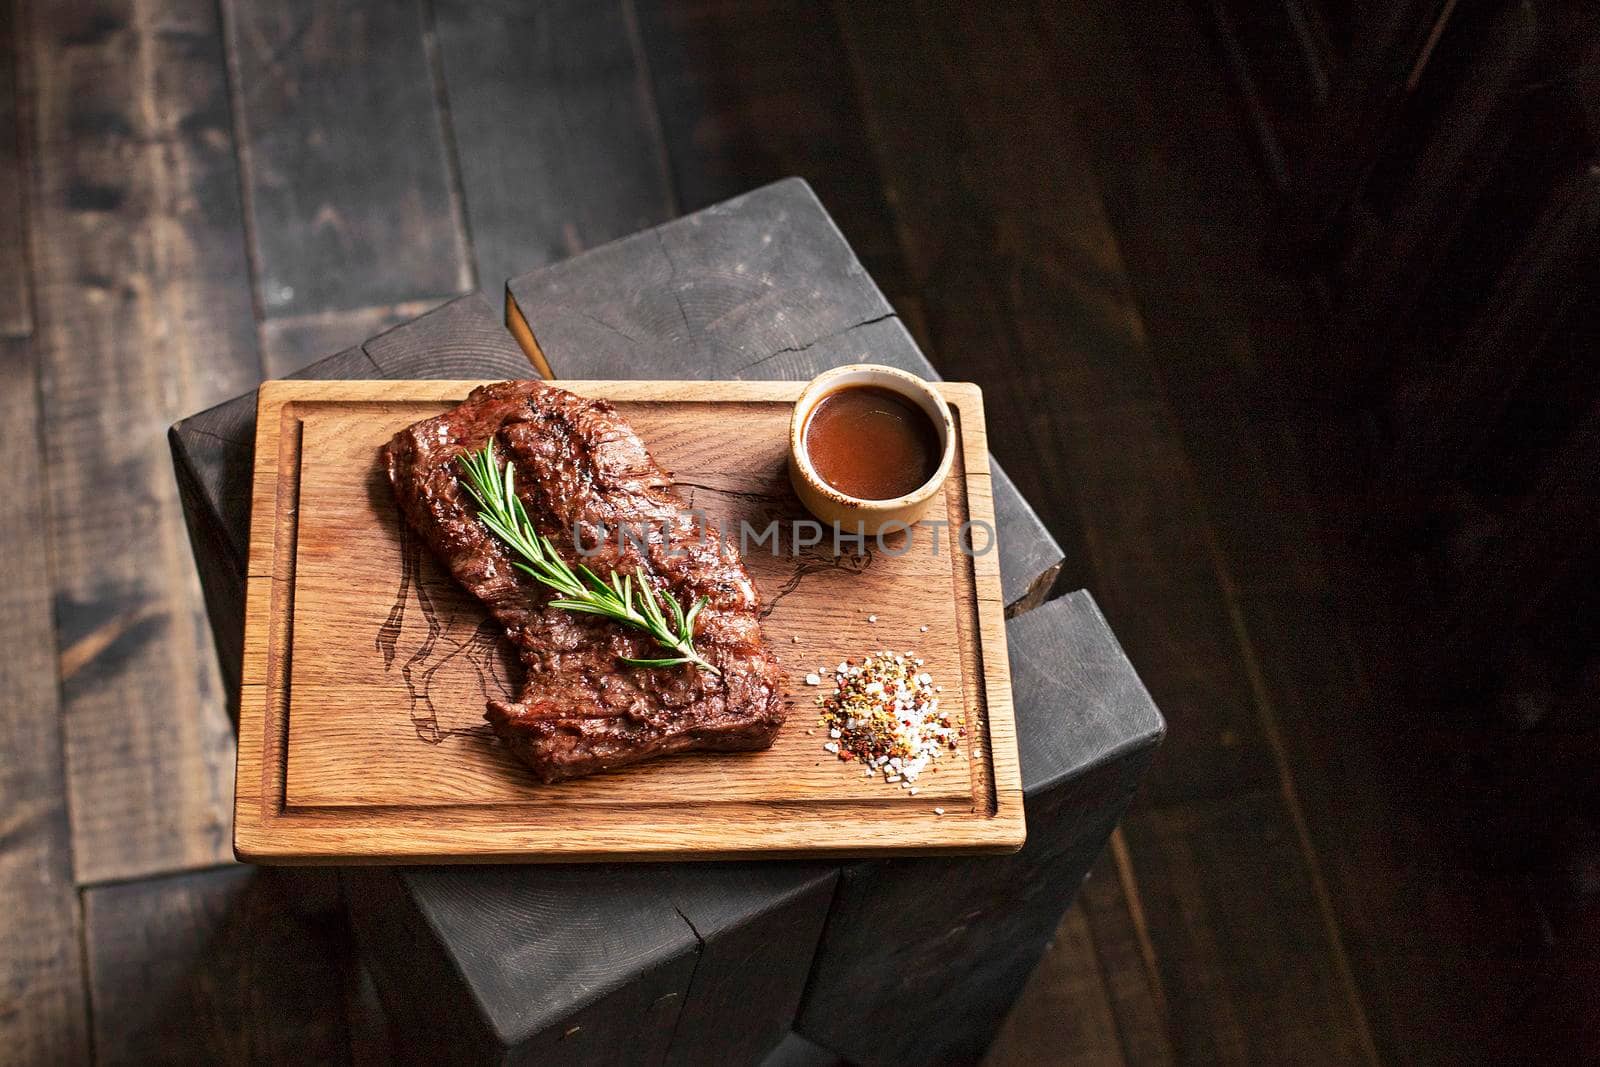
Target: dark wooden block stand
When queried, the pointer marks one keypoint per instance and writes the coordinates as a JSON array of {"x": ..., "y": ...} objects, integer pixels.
[{"x": 691, "y": 963}]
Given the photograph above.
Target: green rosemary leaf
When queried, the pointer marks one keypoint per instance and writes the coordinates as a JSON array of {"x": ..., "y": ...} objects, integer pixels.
[
  {"x": 595, "y": 581},
  {"x": 583, "y": 606},
  {"x": 694, "y": 613},
  {"x": 677, "y": 613},
  {"x": 652, "y": 606},
  {"x": 500, "y": 509}
]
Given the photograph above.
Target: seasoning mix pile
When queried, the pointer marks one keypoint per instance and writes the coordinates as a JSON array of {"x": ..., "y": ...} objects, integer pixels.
[{"x": 884, "y": 712}]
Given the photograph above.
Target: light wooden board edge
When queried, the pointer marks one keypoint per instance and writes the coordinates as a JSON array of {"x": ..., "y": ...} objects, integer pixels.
[
  {"x": 326, "y": 837},
  {"x": 517, "y": 323}
]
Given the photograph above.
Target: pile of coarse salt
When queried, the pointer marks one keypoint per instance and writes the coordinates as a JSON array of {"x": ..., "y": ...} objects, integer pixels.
[{"x": 885, "y": 713}]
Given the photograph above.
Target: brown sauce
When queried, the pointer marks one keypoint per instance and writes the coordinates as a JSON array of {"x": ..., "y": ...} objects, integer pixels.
[{"x": 872, "y": 443}]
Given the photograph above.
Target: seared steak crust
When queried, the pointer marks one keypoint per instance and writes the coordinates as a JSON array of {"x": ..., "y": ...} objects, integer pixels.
[{"x": 581, "y": 469}]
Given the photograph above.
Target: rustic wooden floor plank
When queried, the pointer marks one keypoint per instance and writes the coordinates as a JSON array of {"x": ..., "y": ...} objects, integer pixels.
[
  {"x": 1096, "y": 996},
  {"x": 1249, "y": 980},
  {"x": 143, "y": 314},
  {"x": 947, "y": 230},
  {"x": 1020, "y": 228},
  {"x": 744, "y": 100},
  {"x": 1186, "y": 211},
  {"x": 1118, "y": 478},
  {"x": 293, "y": 343},
  {"x": 346, "y": 169},
  {"x": 372, "y": 1042},
  {"x": 1040, "y": 244},
  {"x": 216, "y": 966},
  {"x": 1434, "y": 978},
  {"x": 1311, "y": 612},
  {"x": 555, "y": 129},
  {"x": 16, "y": 300},
  {"x": 1114, "y": 912},
  {"x": 1064, "y": 1013},
  {"x": 45, "y": 1015}
]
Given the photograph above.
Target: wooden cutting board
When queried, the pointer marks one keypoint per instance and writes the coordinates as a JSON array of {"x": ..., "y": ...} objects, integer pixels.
[{"x": 366, "y": 668}]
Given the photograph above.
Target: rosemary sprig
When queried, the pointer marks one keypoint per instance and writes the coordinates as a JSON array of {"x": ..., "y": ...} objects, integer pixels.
[{"x": 632, "y": 603}]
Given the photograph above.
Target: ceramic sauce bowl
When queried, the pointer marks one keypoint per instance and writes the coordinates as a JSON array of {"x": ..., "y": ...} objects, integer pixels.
[{"x": 853, "y": 513}]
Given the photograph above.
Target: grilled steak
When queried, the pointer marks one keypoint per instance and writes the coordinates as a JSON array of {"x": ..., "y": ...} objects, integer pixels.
[{"x": 581, "y": 470}]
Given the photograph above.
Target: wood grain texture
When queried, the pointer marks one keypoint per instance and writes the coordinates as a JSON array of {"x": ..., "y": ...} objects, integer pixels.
[
  {"x": 706, "y": 290},
  {"x": 213, "y": 966},
  {"x": 1380, "y": 839},
  {"x": 1180, "y": 211},
  {"x": 953, "y": 942},
  {"x": 429, "y": 776},
  {"x": 1374, "y": 83},
  {"x": 1432, "y": 980},
  {"x": 1173, "y": 211},
  {"x": 1450, "y": 421},
  {"x": 742, "y": 104},
  {"x": 796, "y": 1051},
  {"x": 496, "y": 965},
  {"x": 759, "y": 287},
  {"x": 554, "y": 127},
  {"x": 1447, "y": 175},
  {"x": 461, "y": 339},
  {"x": 431, "y": 1014},
  {"x": 1213, "y": 328},
  {"x": 346, "y": 170},
  {"x": 45, "y": 1019},
  {"x": 1278, "y": 58},
  {"x": 292, "y": 343},
  {"x": 16, "y": 295},
  {"x": 1235, "y": 932},
  {"x": 758, "y": 925},
  {"x": 1119, "y": 930},
  {"x": 142, "y": 315},
  {"x": 1063, "y": 1016},
  {"x": 593, "y": 963}
]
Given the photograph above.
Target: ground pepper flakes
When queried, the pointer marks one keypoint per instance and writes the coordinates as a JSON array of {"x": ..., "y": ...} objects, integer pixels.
[{"x": 885, "y": 713}]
